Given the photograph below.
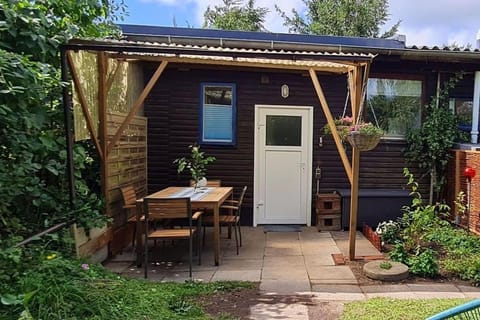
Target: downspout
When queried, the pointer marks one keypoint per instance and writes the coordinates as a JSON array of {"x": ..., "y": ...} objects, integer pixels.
[
  {"x": 476, "y": 101},
  {"x": 67, "y": 112}
]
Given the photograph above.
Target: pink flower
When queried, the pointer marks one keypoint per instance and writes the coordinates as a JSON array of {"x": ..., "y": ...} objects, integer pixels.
[
  {"x": 347, "y": 120},
  {"x": 85, "y": 266}
]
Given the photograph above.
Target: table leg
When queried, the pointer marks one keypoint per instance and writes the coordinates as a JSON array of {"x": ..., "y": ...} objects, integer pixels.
[{"x": 216, "y": 234}]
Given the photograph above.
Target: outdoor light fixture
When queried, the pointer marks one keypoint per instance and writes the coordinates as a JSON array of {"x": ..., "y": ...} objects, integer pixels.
[
  {"x": 469, "y": 173},
  {"x": 285, "y": 91}
]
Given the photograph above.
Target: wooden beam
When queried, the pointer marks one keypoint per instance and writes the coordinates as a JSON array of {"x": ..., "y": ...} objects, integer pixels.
[
  {"x": 84, "y": 104},
  {"x": 138, "y": 104},
  {"x": 102, "y": 63},
  {"x": 356, "y": 85},
  {"x": 342, "y": 68},
  {"x": 331, "y": 124}
]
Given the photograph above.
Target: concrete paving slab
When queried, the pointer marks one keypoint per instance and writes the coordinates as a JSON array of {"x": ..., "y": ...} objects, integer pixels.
[
  {"x": 285, "y": 286},
  {"x": 275, "y": 261},
  {"x": 334, "y": 281},
  {"x": 288, "y": 250},
  {"x": 385, "y": 288},
  {"x": 241, "y": 264},
  {"x": 336, "y": 288},
  {"x": 281, "y": 237},
  {"x": 330, "y": 296},
  {"x": 317, "y": 241},
  {"x": 263, "y": 311},
  {"x": 180, "y": 277},
  {"x": 437, "y": 295},
  {"x": 330, "y": 273},
  {"x": 237, "y": 275},
  {"x": 433, "y": 287},
  {"x": 472, "y": 295},
  {"x": 322, "y": 259},
  {"x": 464, "y": 288},
  {"x": 284, "y": 272},
  {"x": 392, "y": 295}
]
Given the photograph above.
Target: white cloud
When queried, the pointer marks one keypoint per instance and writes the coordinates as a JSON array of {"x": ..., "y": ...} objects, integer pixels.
[{"x": 437, "y": 23}]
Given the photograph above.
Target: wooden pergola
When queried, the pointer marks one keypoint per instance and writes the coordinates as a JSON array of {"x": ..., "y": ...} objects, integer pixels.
[{"x": 354, "y": 66}]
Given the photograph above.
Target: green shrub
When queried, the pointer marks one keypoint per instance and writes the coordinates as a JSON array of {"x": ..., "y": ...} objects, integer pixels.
[
  {"x": 466, "y": 267},
  {"x": 399, "y": 253},
  {"x": 424, "y": 263}
]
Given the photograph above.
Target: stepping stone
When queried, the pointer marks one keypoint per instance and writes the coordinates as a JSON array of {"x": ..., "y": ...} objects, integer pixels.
[{"x": 397, "y": 272}]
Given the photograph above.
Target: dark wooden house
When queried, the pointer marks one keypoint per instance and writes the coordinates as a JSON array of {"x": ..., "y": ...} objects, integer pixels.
[{"x": 254, "y": 107}]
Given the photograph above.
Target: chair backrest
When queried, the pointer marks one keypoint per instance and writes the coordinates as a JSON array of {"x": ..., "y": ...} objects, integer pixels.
[
  {"x": 129, "y": 196},
  {"x": 240, "y": 199},
  {"x": 167, "y": 208},
  {"x": 210, "y": 183}
]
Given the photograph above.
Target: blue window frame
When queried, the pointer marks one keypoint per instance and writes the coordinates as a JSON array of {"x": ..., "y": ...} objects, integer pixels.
[{"x": 218, "y": 113}]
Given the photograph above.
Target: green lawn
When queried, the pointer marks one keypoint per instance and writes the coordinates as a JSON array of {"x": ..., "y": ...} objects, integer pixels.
[{"x": 397, "y": 309}]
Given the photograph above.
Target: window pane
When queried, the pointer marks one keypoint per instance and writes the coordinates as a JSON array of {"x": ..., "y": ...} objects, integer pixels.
[
  {"x": 284, "y": 131},
  {"x": 217, "y": 123},
  {"x": 463, "y": 109},
  {"x": 218, "y": 95},
  {"x": 396, "y": 104}
]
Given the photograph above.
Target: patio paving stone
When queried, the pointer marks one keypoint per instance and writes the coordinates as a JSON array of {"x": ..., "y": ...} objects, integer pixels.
[
  {"x": 323, "y": 259},
  {"x": 319, "y": 273},
  {"x": 284, "y": 272},
  {"x": 238, "y": 275},
  {"x": 285, "y": 286},
  {"x": 287, "y": 250}
]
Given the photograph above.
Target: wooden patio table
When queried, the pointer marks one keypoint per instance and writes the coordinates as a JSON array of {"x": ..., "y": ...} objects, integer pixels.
[{"x": 208, "y": 198}]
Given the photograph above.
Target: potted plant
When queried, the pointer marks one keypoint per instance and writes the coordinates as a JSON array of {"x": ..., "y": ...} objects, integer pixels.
[
  {"x": 196, "y": 164},
  {"x": 364, "y": 135},
  {"x": 342, "y": 125}
]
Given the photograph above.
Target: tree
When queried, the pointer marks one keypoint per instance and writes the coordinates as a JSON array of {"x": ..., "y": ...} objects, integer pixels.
[
  {"x": 33, "y": 185},
  {"x": 232, "y": 16},
  {"x": 353, "y": 18}
]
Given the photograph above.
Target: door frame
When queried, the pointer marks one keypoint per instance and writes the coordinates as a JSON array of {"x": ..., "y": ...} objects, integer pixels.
[{"x": 308, "y": 164}]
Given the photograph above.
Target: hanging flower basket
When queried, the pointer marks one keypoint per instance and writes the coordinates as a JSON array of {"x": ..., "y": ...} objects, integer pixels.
[
  {"x": 363, "y": 141},
  {"x": 364, "y": 136}
]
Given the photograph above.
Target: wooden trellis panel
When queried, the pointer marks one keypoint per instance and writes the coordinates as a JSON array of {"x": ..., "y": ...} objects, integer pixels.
[{"x": 127, "y": 165}]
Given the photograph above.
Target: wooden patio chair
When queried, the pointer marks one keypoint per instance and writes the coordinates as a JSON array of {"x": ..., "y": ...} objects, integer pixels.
[
  {"x": 129, "y": 197},
  {"x": 171, "y": 208},
  {"x": 234, "y": 208}
]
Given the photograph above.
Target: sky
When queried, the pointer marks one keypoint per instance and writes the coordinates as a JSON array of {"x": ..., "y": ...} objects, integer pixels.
[{"x": 423, "y": 22}]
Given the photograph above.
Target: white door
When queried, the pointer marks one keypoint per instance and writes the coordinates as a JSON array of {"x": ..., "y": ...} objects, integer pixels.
[{"x": 283, "y": 155}]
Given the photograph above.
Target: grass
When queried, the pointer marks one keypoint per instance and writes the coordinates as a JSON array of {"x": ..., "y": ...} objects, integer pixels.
[
  {"x": 397, "y": 309},
  {"x": 61, "y": 288}
]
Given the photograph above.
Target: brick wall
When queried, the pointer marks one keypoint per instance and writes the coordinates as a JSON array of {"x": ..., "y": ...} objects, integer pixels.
[{"x": 457, "y": 182}]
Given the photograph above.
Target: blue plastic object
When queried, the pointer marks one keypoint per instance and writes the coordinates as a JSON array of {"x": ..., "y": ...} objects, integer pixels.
[{"x": 469, "y": 310}]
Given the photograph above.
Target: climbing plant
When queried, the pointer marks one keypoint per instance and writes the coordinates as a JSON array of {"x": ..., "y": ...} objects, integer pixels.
[{"x": 429, "y": 145}]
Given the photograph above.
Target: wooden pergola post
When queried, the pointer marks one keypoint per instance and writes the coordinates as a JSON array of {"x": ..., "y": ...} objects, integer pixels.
[
  {"x": 356, "y": 85},
  {"x": 102, "y": 63}
]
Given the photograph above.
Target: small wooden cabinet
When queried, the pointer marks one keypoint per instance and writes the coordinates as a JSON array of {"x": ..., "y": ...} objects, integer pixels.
[{"x": 329, "y": 212}]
